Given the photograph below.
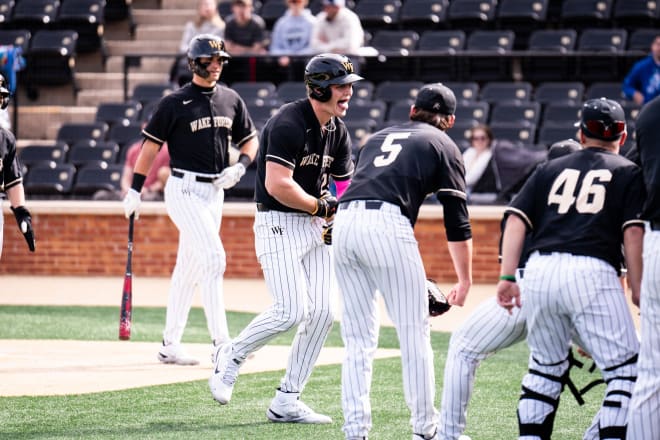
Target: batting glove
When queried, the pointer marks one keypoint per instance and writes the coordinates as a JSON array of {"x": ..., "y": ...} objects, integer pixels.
[
  {"x": 24, "y": 220},
  {"x": 326, "y": 206},
  {"x": 132, "y": 203},
  {"x": 230, "y": 176},
  {"x": 326, "y": 234}
]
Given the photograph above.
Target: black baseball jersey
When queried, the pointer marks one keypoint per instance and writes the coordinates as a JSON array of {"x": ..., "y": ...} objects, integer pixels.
[
  {"x": 293, "y": 138},
  {"x": 648, "y": 148},
  {"x": 10, "y": 166},
  {"x": 198, "y": 125},
  {"x": 430, "y": 163},
  {"x": 581, "y": 203}
]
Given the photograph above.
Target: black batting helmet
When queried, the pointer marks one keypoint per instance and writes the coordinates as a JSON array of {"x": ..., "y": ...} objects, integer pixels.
[
  {"x": 4, "y": 93},
  {"x": 205, "y": 46},
  {"x": 326, "y": 69}
]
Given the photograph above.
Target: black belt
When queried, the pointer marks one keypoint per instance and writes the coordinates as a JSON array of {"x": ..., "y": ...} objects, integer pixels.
[
  {"x": 262, "y": 208},
  {"x": 655, "y": 225},
  {"x": 545, "y": 253},
  {"x": 368, "y": 204},
  {"x": 204, "y": 179}
]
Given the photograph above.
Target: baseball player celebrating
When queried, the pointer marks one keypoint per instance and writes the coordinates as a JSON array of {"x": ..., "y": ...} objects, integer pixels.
[
  {"x": 301, "y": 146},
  {"x": 644, "y": 421},
  {"x": 375, "y": 250},
  {"x": 197, "y": 121},
  {"x": 593, "y": 199},
  {"x": 11, "y": 177},
  {"x": 487, "y": 330}
]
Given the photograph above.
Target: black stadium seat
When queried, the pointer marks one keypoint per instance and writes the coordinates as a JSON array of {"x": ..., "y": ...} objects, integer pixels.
[
  {"x": 424, "y": 14},
  {"x": 50, "y": 181},
  {"x": 71, "y": 132}
]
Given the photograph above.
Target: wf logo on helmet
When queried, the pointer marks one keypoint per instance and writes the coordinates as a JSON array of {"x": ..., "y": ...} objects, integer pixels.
[
  {"x": 217, "y": 44},
  {"x": 348, "y": 66}
]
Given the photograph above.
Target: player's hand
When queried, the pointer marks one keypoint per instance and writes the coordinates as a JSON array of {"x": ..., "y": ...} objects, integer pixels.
[
  {"x": 230, "y": 176},
  {"x": 458, "y": 293},
  {"x": 508, "y": 295},
  {"x": 326, "y": 235},
  {"x": 326, "y": 206},
  {"x": 24, "y": 220},
  {"x": 132, "y": 203}
]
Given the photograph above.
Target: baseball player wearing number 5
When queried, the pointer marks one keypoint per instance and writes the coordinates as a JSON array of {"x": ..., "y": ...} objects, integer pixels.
[
  {"x": 645, "y": 405},
  {"x": 197, "y": 121},
  {"x": 11, "y": 177},
  {"x": 593, "y": 200},
  {"x": 301, "y": 146},
  {"x": 375, "y": 250}
]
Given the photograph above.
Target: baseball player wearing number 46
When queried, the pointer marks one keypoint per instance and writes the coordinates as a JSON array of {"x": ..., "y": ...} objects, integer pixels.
[
  {"x": 644, "y": 420},
  {"x": 375, "y": 250},
  {"x": 592, "y": 204},
  {"x": 197, "y": 121},
  {"x": 11, "y": 177},
  {"x": 301, "y": 146}
]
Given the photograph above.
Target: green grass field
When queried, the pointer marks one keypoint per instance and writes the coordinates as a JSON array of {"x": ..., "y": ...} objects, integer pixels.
[{"x": 186, "y": 410}]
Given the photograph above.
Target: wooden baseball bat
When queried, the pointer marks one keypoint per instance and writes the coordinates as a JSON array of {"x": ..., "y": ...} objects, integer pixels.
[{"x": 125, "y": 315}]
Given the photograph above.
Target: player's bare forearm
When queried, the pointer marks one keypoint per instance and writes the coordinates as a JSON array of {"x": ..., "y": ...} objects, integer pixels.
[
  {"x": 16, "y": 195},
  {"x": 280, "y": 184},
  {"x": 633, "y": 239},
  {"x": 461, "y": 256}
]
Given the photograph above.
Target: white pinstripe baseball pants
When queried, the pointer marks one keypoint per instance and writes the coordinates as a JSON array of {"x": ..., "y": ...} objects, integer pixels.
[
  {"x": 196, "y": 210},
  {"x": 297, "y": 268},
  {"x": 562, "y": 291},
  {"x": 644, "y": 420},
  {"x": 376, "y": 250}
]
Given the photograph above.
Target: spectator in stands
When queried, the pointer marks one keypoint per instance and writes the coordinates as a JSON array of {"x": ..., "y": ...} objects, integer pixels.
[
  {"x": 292, "y": 35},
  {"x": 643, "y": 81},
  {"x": 337, "y": 30},
  {"x": 245, "y": 32},
  {"x": 477, "y": 157},
  {"x": 154, "y": 184},
  {"x": 208, "y": 21}
]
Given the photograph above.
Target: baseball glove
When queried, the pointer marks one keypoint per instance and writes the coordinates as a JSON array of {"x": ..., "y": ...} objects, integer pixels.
[{"x": 438, "y": 303}]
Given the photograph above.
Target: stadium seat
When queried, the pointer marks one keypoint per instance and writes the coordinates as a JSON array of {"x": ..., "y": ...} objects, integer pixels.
[
  {"x": 374, "y": 110},
  {"x": 403, "y": 42},
  {"x": 548, "y": 53},
  {"x": 515, "y": 133},
  {"x": 34, "y": 15},
  {"x": 51, "y": 59},
  {"x": 398, "y": 112},
  {"x": 464, "y": 91},
  {"x": 523, "y": 113},
  {"x": 125, "y": 135},
  {"x": 561, "y": 114},
  {"x": 424, "y": 14},
  {"x": 146, "y": 92},
  {"x": 598, "y": 51},
  {"x": 378, "y": 14},
  {"x": 17, "y": 37},
  {"x": 72, "y": 132},
  {"x": 439, "y": 64},
  {"x": 118, "y": 10},
  {"x": 50, "y": 181},
  {"x": 86, "y": 17},
  {"x": 261, "y": 113},
  {"x": 567, "y": 92},
  {"x": 581, "y": 14},
  {"x": 485, "y": 61},
  {"x": 359, "y": 130},
  {"x": 363, "y": 90},
  {"x": 549, "y": 134},
  {"x": 607, "y": 89},
  {"x": 289, "y": 91},
  {"x": 6, "y": 10},
  {"x": 86, "y": 151},
  {"x": 470, "y": 15},
  {"x": 477, "y": 111},
  {"x": 524, "y": 16},
  {"x": 641, "y": 39},
  {"x": 122, "y": 113},
  {"x": 499, "y": 92},
  {"x": 34, "y": 154},
  {"x": 95, "y": 177},
  {"x": 394, "y": 91},
  {"x": 633, "y": 14},
  {"x": 248, "y": 90}
]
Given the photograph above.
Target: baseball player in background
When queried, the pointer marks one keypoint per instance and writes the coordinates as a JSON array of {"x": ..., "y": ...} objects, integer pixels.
[
  {"x": 644, "y": 420},
  {"x": 197, "y": 121},
  {"x": 11, "y": 177},
  {"x": 301, "y": 147},
  {"x": 593, "y": 199},
  {"x": 375, "y": 250},
  {"x": 487, "y": 330}
]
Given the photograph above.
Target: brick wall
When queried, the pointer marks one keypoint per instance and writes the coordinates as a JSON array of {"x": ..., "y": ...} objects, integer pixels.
[{"x": 83, "y": 238}]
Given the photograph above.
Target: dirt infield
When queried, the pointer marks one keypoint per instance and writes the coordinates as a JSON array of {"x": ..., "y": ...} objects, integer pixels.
[{"x": 73, "y": 367}]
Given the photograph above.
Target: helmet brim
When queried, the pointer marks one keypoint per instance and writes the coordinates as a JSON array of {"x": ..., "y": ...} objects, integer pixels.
[{"x": 347, "y": 79}]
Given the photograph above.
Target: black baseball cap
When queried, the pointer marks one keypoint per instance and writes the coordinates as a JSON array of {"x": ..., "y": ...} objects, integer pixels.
[
  {"x": 562, "y": 148},
  {"x": 436, "y": 98},
  {"x": 602, "y": 119}
]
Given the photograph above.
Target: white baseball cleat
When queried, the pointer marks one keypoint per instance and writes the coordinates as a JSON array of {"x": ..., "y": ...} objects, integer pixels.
[
  {"x": 175, "y": 354},
  {"x": 224, "y": 376},
  {"x": 294, "y": 411},
  {"x": 464, "y": 437},
  {"x": 435, "y": 436}
]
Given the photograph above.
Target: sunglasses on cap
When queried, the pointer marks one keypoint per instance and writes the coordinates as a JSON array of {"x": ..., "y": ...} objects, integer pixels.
[{"x": 604, "y": 129}]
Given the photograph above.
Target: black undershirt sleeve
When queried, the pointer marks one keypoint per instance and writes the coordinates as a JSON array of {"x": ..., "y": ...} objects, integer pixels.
[{"x": 457, "y": 221}]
